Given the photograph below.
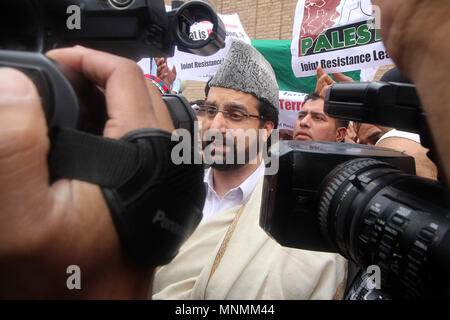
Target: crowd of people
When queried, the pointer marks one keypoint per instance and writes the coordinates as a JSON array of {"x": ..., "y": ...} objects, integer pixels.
[
  {"x": 235, "y": 252},
  {"x": 229, "y": 256},
  {"x": 44, "y": 228}
]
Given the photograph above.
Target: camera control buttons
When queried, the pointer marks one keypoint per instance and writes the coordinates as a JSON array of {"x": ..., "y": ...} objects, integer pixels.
[
  {"x": 388, "y": 240},
  {"x": 398, "y": 220},
  {"x": 396, "y": 263},
  {"x": 426, "y": 235},
  {"x": 121, "y": 4},
  {"x": 355, "y": 181}
]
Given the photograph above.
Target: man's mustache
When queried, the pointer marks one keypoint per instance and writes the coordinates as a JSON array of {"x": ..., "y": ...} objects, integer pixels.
[{"x": 220, "y": 141}]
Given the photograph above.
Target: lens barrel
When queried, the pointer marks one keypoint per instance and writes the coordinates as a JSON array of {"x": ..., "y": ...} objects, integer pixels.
[{"x": 374, "y": 214}]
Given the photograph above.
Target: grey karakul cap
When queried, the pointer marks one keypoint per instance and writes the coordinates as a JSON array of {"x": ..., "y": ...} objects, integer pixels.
[{"x": 245, "y": 69}]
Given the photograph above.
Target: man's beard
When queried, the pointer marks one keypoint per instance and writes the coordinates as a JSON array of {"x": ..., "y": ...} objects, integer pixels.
[{"x": 239, "y": 158}]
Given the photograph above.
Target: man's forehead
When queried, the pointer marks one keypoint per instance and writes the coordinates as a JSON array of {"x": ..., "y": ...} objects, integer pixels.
[
  {"x": 313, "y": 105},
  {"x": 224, "y": 96},
  {"x": 227, "y": 91}
]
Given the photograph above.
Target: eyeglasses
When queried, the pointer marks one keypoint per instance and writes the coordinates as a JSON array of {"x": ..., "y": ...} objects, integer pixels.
[{"x": 232, "y": 114}]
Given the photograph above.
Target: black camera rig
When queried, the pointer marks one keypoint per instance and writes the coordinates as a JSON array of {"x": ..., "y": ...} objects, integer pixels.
[
  {"x": 129, "y": 28},
  {"x": 136, "y": 173},
  {"x": 365, "y": 203}
]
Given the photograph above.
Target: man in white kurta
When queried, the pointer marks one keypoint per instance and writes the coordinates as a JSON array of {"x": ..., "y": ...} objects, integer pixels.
[
  {"x": 229, "y": 256},
  {"x": 253, "y": 265}
]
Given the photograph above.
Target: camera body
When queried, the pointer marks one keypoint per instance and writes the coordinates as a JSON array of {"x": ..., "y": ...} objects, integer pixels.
[
  {"x": 290, "y": 213},
  {"x": 129, "y": 28},
  {"x": 135, "y": 173}
]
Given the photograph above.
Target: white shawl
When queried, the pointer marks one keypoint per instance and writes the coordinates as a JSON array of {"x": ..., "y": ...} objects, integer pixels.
[{"x": 253, "y": 265}]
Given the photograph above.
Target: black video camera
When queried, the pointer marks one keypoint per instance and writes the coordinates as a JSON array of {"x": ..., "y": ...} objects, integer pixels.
[
  {"x": 363, "y": 202},
  {"x": 129, "y": 28},
  {"x": 136, "y": 173}
]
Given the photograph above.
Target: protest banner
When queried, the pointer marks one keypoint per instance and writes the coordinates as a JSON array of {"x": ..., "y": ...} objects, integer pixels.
[
  {"x": 290, "y": 104},
  {"x": 340, "y": 35}
]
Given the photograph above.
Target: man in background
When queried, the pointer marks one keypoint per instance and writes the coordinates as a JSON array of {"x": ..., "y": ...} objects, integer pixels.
[
  {"x": 314, "y": 125},
  {"x": 380, "y": 136}
]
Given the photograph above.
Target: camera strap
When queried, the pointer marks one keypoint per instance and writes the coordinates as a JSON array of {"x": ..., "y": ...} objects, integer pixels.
[
  {"x": 153, "y": 211},
  {"x": 79, "y": 155}
]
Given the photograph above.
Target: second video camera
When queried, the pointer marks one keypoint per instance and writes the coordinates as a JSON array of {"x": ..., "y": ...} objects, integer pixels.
[{"x": 364, "y": 202}]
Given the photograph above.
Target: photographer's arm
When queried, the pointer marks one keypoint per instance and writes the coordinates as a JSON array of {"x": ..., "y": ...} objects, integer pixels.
[
  {"x": 46, "y": 228},
  {"x": 416, "y": 36},
  {"x": 424, "y": 166}
]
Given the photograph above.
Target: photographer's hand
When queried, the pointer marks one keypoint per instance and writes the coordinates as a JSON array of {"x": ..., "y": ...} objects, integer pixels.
[
  {"x": 46, "y": 228},
  {"x": 416, "y": 36}
]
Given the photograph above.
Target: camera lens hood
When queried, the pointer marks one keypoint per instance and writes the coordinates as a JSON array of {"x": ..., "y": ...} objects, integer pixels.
[{"x": 186, "y": 16}]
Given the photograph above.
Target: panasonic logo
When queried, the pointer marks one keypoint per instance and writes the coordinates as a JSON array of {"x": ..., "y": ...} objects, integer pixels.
[{"x": 167, "y": 224}]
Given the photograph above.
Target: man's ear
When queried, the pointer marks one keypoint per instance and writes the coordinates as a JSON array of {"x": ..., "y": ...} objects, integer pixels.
[
  {"x": 341, "y": 132},
  {"x": 267, "y": 127}
]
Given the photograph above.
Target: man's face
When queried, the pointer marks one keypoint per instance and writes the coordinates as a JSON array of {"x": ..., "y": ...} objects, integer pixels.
[
  {"x": 314, "y": 125},
  {"x": 232, "y": 132},
  {"x": 368, "y": 134}
]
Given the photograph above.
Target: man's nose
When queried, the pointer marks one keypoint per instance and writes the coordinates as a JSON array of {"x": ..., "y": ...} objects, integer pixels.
[
  {"x": 305, "y": 121},
  {"x": 219, "y": 122}
]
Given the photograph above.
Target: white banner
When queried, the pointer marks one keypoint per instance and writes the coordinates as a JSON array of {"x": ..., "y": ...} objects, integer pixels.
[
  {"x": 337, "y": 34},
  {"x": 290, "y": 104},
  {"x": 198, "y": 68}
]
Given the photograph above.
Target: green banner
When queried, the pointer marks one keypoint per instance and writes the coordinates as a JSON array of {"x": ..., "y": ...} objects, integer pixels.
[{"x": 278, "y": 53}]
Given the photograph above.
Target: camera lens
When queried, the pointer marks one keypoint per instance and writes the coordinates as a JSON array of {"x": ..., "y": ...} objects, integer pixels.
[
  {"x": 375, "y": 214},
  {"x": 189, "y": 14},
  {"x": 342, "y": 190}
]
